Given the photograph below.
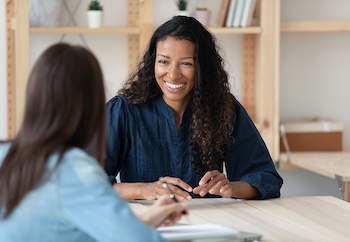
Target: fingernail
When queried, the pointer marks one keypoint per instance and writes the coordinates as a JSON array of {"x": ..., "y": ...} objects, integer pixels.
[{"x": 189, "y": 197}]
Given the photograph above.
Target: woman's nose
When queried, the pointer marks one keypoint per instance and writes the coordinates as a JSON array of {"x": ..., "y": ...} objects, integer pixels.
[{"x": 174, "y": 72}]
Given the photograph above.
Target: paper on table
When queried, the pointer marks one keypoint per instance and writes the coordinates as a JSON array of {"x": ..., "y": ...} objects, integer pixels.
[{"x": 197, "y": 231}]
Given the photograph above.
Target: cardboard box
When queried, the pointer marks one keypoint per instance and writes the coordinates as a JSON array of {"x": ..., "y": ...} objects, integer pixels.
[{"x": 311, "y": 135}]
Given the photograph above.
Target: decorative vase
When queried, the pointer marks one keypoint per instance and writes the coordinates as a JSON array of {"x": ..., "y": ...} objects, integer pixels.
[
  {"x": 95, "y": 18},
  {"x": 45, "y": 13},
  {"x": 183, "y": 13},
  {"x": 202, "y": 15}
]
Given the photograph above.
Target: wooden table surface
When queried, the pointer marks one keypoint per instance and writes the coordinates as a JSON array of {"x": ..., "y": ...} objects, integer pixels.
[
  {"x": 309, "y": 218},
  {"x": 331, "y": 164}
]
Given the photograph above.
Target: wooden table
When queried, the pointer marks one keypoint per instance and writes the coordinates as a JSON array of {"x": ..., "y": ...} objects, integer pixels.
[
  {"x": 316, "y": 218},
  {"x": 331, "y": 164}
]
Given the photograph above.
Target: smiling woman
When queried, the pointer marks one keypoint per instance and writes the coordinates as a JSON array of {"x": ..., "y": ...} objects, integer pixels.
[{"x": 176, "y": 118}]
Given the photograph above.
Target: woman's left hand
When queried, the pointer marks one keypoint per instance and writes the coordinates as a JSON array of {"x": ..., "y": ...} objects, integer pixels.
[{"x": 214, "y": 182}]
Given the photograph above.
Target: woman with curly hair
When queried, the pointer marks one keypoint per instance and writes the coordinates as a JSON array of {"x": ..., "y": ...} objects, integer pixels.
[{"x": 175, "y": 117}]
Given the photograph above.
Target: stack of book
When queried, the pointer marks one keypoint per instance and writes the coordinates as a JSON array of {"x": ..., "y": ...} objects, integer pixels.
[{"x": 236, "y": 13}]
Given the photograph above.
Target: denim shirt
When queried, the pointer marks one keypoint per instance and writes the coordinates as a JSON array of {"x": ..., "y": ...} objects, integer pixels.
[
  {"x": 143, "y": 144},
  {"x": 76, "y": 203}
]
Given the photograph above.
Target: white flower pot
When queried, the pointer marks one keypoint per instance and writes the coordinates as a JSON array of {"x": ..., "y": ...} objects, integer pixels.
[
  {"x": 95, "y": 18},
  {"x": 183, "y": 13}
]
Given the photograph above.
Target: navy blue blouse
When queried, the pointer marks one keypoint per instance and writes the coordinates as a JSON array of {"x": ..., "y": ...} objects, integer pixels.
[{"x": 143, "y": 144}]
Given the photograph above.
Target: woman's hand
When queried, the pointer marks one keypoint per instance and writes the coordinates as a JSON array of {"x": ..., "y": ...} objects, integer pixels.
[
  {"x": 215, "y": 183},
  {"x": 164, "y": 212},
  {"x": 154, "y": 190}
]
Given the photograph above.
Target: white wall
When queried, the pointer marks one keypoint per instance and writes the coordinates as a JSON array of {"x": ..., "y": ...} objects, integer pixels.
[{"x": 315, "y": 69}]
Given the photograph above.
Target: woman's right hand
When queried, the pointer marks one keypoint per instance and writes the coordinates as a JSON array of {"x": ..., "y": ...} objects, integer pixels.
[
  {"x": 154, "y": 190},
  {"x": 163, "y": 212}
]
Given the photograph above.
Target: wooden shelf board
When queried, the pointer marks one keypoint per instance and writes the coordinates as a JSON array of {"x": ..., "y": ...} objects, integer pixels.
[
  {"x": 132, "y": 30},
  {"x": 85, "y": 30},
  {"x": 224, "y": 30},
  {"x": 315, "y": 26}
]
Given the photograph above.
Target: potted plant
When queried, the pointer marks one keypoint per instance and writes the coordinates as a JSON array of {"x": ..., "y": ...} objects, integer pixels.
[
  {"x": 95, "y": 14},
  {"x": 182, "y": 7}
]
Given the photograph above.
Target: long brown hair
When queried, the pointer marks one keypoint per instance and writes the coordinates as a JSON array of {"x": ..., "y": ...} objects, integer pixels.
[{"x": 64, "y": 108}]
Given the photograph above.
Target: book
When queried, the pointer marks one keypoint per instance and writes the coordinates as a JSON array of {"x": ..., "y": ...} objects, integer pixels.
[
  {"x": 238, "y": 13},
  {"x": 222, "y": 14},
  {"x": 231, "y": 10},
  {"x": 205, "y": 232},
  {"x": 247, "y": 13}
]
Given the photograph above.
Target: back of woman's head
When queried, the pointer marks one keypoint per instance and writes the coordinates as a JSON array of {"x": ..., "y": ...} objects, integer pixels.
[
  {"x": 64, "y": 108},
  {"x": 65, "y": 98}
]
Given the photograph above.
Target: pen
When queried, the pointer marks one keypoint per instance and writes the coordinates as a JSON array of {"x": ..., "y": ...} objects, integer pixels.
[{"x": 172, "y": 196}]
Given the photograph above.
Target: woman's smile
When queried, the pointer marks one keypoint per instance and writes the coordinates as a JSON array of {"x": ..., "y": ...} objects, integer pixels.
[{"x": 174, "y": 85}]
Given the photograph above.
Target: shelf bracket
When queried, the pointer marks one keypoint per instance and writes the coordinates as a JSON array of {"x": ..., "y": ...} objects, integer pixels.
[{"x": 341, "y": 185}]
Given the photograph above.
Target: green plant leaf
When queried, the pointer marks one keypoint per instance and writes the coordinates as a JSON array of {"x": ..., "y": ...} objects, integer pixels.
[{"x": 95, "y": 5}]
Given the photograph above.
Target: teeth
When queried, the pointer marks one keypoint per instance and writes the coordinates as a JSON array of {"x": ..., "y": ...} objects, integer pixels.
[{"x": 174, "y": 86}]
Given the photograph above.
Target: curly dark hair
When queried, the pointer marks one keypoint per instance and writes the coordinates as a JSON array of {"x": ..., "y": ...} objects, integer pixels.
[{"x": 212, "y": 103}]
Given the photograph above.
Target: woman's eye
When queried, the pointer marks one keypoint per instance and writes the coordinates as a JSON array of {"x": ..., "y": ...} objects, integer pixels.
[
  {"x": 187, "y": 64},
  {"x": 162, "y": 62}
]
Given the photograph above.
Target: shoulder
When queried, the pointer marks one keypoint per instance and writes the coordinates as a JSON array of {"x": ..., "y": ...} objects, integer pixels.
[
  {"x": 119, "y": 105},
  {"x": 240, "y": 111},
  {"x": 76, "y": 163},
  {"x": 243, "y": 123},
  {"x": 238, "y": 106},
  {"x": 118, "y": 101},
  {"x": 78, "y": 155}
]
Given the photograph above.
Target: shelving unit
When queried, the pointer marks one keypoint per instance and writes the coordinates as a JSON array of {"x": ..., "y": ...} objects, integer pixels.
[
  {"x": 315, "y": 26},
  {"x": 260, "y": 55},
  {"x": 139, "y": 30}
]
